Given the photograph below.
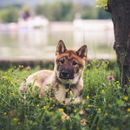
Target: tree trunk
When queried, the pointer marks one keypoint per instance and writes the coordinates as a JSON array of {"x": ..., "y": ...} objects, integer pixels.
[{"x": 120, "y": 10}]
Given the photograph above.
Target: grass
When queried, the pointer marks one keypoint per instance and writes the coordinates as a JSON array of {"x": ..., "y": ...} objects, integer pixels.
[{"x": 105, "y": 106}]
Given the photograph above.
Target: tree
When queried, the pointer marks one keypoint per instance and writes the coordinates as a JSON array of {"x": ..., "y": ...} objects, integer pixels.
[{"x": 120, "y": 10}]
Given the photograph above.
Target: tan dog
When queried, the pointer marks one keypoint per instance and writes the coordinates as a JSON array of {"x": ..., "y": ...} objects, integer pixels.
[{"x": 66, "y": 79}]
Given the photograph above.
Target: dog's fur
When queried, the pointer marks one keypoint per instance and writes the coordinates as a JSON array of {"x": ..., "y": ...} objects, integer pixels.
[{"x": 66, "y": 79}]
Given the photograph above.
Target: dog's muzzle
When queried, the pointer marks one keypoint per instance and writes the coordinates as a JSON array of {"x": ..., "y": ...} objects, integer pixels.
[{"x": 66, "y": 74}]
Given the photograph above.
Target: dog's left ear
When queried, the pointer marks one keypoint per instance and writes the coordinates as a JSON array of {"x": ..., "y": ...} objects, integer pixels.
[
  {"x": 82, "y": 52},
  {"x": 61, "y": 48}
]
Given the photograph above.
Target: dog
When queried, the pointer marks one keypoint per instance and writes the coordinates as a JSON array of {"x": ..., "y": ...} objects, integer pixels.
[{"x": 66, "y": 80}]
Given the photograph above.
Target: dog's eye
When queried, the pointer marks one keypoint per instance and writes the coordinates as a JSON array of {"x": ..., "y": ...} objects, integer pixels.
[
  {"x": 62, "y": 61},
  {"x": 74, "y": 63}
]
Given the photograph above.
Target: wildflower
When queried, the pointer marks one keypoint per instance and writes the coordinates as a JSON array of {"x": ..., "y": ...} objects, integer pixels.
[
  {"x": 44, "y": 107},
  {"x": 103, "y": 92},
  {"x": 83, "y": 122},
  {"x": 5, "y": 113},
  {"x": 12, "y": 93},
  {"x": 37, "y": 105},
  {"x": 87, "y": 97},
  {"x": 75, "y": 110},
  {"x": 83, "y": 101},
  {"x": 61, "y": 110},
  {"x": 15, "y": 120},
  {"x": 125, "y": 98},
  {"x": 128, "y": 109},
  {"x": 99, "y": 110},
  {"x": 64, "y": 116},
  {"x": 110, "y": 77},
  {"x": 28, "y": 68}
]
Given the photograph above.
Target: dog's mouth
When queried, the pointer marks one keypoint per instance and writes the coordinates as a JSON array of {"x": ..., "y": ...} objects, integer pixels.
[{"x": 65, "y": 78}]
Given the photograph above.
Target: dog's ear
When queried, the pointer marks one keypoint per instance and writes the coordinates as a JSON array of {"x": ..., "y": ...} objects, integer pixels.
[
  {"x": 61, "y": 48},
  {"x": 82, "y": 52}
]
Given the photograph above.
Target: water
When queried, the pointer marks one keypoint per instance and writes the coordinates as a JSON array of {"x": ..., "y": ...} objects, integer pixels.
[{"x": 41, "y": 43}]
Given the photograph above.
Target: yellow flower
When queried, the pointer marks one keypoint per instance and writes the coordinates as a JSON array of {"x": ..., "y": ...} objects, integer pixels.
[
  {"x": 75, "y": 110},
  {"x": 128, "y": 109},
  {"x": 15, "y": 120},
  {"x": 64, "y": 116},
  {"x": 99, "y": 109},
  {"x": 61, "y": 110},
  {"x": 125, "y": 98},
  {"x": 44, "y": 107},
  {"x": 87, "y": 97},
  {"x": 37, "y": 105},
  {"x": 13, "y": 94},
  {"x": 103, "y": 92},
  {"x": 5, "y": 113}
]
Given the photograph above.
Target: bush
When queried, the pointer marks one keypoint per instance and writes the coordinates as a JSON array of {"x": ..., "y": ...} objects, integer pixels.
[
  {"x": 56, "y": 11},
  {"x": 105, "y": 106},
  {"x": 9, "y": 14},
  {"x": 67, "y": 11}
]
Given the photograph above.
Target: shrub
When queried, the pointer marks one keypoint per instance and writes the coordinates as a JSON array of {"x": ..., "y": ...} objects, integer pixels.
[{"x": 9, "y": 14}]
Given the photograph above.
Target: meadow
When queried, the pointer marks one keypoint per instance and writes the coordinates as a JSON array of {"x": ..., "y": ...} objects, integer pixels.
[{"x": 105, "y": 105}]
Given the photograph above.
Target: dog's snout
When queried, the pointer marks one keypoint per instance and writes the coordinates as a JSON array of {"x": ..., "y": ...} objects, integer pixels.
[{"x": 66, "y": 74}]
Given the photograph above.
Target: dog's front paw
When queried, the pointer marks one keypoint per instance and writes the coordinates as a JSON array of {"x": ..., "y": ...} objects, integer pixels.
[{"x": 76, "y": 100}]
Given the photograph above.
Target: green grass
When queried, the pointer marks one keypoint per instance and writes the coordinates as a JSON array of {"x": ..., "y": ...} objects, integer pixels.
[{"x": 105, "y": 106}]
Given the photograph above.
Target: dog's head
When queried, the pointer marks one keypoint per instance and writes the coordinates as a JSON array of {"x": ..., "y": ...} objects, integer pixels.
[{"x": 69, "y": 64}]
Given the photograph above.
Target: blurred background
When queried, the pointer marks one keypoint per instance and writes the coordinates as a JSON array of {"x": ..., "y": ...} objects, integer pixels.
[{"x": 31, "y": 29}]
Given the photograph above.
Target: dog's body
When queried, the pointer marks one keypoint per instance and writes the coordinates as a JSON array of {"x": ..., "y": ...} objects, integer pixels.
[{"x": 66, "y": 79}]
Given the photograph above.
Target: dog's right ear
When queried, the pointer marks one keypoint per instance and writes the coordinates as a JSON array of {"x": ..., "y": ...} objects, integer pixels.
[
  {"x": 82, "y": 51},
  {"x": 61, "y": 48}
]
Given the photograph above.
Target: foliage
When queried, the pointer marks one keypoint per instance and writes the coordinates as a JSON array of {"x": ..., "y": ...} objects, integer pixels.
[
  {"x": 102, "y": 3},
  {"x": 67, "y": 11},
  {"x": 9, "y": 14},
  {"x": 105, "y": 106},
  {"x": 102, "y": 14},
  {"x": 56, "y": 11}
]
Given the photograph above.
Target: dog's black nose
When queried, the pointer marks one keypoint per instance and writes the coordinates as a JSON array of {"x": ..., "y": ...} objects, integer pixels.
[{"x": 65, "y": 74}]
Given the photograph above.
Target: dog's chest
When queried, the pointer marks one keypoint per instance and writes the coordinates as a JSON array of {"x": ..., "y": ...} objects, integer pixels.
[{"x": 61, "y": 93}]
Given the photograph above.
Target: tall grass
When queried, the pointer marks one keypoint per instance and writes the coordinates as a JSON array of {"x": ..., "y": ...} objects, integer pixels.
[{"x": 104, "y": 105}]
